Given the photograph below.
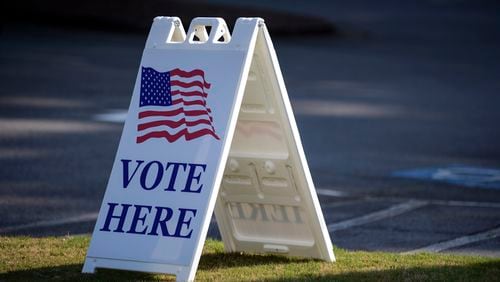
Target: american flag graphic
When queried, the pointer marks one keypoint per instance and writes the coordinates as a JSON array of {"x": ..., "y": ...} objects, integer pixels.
[{"x": 173, "y": 105}]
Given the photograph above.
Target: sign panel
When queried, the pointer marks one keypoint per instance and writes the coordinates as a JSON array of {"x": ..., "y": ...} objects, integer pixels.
[
  {"x": 267, "y": 202},
  {"x": 173, "y": 151}
]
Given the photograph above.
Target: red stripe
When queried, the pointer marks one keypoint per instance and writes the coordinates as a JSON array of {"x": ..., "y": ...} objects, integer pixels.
[
  {"x": 172, "y": 123},
  {"x": 188, "y": 74},
  {"x": 189, "y": 93},
  {"x": 173, "y": 137},
  {"x": 192, "y": 103},
  {"x": 174, "y": 113},
  {"x": 188, "y": 84},
  {"x": 189, "y": 103},
  {"x": 183, "y": 73}
]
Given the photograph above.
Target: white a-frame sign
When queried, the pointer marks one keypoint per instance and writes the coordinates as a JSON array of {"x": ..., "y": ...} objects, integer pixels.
[{"x": 209, "y": 126}]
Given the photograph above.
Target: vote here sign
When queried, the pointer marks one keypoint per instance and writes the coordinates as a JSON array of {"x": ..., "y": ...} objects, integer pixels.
[{"x": 163, "y": 184}]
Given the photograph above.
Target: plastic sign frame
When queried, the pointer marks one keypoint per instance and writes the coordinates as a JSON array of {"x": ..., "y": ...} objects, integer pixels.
[{"x": 210, "y": 126}]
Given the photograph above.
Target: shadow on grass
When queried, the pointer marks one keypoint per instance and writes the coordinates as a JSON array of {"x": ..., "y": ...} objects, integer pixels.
[
  {"x": 228, "y": 260},
  {"x": 487, "y": 271},
  {"x": 208, "y": 262},
  {"x": 74, "y": 272}
]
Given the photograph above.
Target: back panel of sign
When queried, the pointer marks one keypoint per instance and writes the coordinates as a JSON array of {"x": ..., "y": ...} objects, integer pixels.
[{"x": 267, "y": 201}]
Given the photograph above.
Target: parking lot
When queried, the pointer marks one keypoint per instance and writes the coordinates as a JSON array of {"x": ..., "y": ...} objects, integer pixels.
[{"x": 392, "y": 94}]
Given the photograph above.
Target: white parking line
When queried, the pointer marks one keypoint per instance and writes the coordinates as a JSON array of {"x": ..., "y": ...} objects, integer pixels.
[
  {"x": 329, "y": 192},
  {"x": 342, "y": 203},
  {"x": 50, "y": 223},
  {"x": 465, "y": 204},
  {"x": 395, "y": 210},
  {"x": 450, "y": 203},
  {"x": 458, "y": 242},
  {"x": 378, "y": 215}
]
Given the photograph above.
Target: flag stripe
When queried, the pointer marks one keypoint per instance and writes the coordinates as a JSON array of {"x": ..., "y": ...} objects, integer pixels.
[
  {"x": 172, "y": 123},
  {"x": 189, "y": 103},
  {"x": 187, "y": 84},
  {"x": 195, "y": 102},
  {"x": 173, "y": 113},
  {"x": 173, "y": 137},
  {"x": 189, "y": 74},
  {"x": 189, "y": 93}
]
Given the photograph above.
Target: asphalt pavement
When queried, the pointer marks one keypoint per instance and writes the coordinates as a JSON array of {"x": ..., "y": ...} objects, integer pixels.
[{"x": 404, "y": 86}]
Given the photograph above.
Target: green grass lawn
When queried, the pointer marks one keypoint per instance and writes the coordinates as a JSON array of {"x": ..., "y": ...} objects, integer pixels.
[{"x": 61, "y": 258}]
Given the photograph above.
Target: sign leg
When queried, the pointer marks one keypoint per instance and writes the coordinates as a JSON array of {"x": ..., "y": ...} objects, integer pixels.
[
  {"x": 185, "y": 275},
  {"x": 88, "y": 266}
]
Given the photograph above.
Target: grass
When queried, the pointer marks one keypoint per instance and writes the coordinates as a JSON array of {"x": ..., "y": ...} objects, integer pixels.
[{"x": 61, "y": 258}]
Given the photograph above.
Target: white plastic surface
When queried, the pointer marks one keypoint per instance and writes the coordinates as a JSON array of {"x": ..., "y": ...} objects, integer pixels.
[
  {"x": 267, "y": 201},
  {"x": 224, "y": 64}
]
